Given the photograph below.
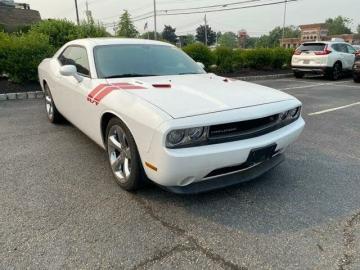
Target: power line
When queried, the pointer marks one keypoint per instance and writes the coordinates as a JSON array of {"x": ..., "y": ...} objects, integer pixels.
[
  {"x": 227, "y": 9},
  {"x": 211, "y": 6}
]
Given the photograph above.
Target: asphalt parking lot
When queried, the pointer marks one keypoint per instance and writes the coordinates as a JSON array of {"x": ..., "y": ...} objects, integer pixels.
[{"x": 61, "y": 209}]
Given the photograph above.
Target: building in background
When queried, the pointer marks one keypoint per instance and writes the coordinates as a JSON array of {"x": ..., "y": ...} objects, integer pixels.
[
  {"x": 14, "y": 16},
  {"x": 316, "y": 32}
]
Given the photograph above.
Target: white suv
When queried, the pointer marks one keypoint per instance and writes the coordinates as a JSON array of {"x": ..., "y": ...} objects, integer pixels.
[{"x": 326, "y": 58}]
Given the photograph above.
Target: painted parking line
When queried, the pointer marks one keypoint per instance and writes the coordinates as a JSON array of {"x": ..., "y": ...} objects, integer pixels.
[
  {"x": 314, "y": 85},
  {"x": 334, "y": 109}
]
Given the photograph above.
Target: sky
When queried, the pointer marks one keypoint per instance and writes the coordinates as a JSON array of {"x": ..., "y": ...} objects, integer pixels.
[{"x": 256, "y": 21}]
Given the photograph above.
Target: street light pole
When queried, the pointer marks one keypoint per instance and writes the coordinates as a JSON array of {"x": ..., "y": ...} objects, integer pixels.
[
  {"x": 284, "y": 23},
  {"x": 206, "y": 36},
  {"x": 155, "y": 24},
  {"x": 77, "y": 13}
]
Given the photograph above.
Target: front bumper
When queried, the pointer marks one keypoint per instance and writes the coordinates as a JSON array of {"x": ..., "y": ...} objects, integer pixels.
[
  {"x": 229, "y": 179},
  {"x": 183, "y": 167}
]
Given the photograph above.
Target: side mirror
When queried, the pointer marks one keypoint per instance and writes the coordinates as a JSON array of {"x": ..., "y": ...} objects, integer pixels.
[
  {"x": 70, "y": 70},
  {"x": 201, "y": 65}
]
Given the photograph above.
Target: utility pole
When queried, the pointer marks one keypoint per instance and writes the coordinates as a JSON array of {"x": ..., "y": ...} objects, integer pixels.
[
  {"x": 284, "y": 23},
  {"x": 77, "y": 13},
  {"x": 206, "y": 36},
  {"x": 155, "y": 26}
]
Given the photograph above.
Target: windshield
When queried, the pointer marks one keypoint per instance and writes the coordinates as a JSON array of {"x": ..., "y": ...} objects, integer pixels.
[{"x": 136, "y": 60}]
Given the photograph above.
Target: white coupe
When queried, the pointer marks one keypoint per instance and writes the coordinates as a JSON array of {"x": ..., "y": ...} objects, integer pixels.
[{"x": 161, "y": 117}]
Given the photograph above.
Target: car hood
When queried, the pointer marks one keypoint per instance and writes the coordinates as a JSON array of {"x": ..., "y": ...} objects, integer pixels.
[{"x": 189, "y": 95}]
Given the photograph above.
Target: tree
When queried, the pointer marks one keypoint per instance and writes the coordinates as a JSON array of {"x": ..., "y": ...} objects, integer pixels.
[
  {"x": 169, "y": 35},
  {"x": 187, "y": 40},
  {"x": 200, "y": 35},
  {"x": 228, "y": 39},
  {"x": 126, "y": 27},
  {"x": 251, "y": 42},
  {"x": 273, "y": 39},
  {"x": 338, "y": 25},
  {"x": 358, "y": 29}
]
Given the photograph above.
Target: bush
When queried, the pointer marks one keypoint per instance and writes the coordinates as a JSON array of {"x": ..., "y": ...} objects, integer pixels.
[
  {"x": 262, "y": 58},
  {"x": 21, "y": 55},
  {"x": 200, "y": 53},
  {"x": 224, "y": 59},
  {"x": 58, "y": 31},
  {"x": 4, "y": 44},
  {"x": 63, "y": 31}
]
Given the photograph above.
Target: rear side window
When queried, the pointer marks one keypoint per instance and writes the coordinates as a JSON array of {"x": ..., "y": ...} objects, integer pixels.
[
  {"x": 312, "y": 47},
  {"x": 340, "y": 47},
  {"x": 77, "y": 56}
]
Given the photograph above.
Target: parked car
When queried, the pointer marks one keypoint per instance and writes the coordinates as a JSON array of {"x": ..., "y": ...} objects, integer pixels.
[
  {"x": 325, "y": 58},
  {"x": 356, "y": 69},
  {"x": 357, "y": 48},
  {"x": 161, "y": 117}
]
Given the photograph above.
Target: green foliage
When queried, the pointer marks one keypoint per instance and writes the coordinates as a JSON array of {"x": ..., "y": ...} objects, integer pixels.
[
  {"x": 224, "y": 59},
  {"x": 200, "y": 35},
  {"x": 200, "y": 53},
  {"x": 58, "y": 31},
  {"x": 273, "y": 39},
  {"x": 338, "y": 25},
  {"x": 126, "y": 28},
  {"x": 169, "y": 35},
  {"x": 228, "y": 39},
  {"x": 63, "y": 31},
  {"x": 21, "y": 55},
  {"x": 187, "y": 40},
  {"x": 91, "y": 30},
  {"x": 358, "y": 28}
]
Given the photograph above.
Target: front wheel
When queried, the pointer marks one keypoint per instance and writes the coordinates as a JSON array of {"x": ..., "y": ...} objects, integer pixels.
[
  {"x": 123, "y": 156},
  {"x": 52, "y": 113}
]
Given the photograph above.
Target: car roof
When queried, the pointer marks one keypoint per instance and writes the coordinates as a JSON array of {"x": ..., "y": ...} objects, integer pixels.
[
  {"x": 326, "y": 42},
  {"x": 115, "y": 41}
]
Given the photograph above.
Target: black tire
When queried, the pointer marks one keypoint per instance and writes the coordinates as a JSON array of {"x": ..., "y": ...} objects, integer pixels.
[
  {"x": 136, "y": 178},
  {"x": 336, "y": 72},
  {"x": 299, "y": 75},
  {"x": 52, "y": 112},
  {"x": 356, "y": 78}
]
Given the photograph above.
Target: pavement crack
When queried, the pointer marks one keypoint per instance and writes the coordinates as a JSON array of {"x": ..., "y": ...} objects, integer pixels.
[
  {"x": 349, "y": 238},
  {"x": 192, "y": 244}
]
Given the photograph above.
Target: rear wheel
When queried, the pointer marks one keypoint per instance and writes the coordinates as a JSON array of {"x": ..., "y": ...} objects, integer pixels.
[
  {"x": 124, "y": 157},
  {"x": 336, "y": 72},
  {"x": 357, "y": 78},
  {"x": 52, "y": 113},
  {"x": 299, "y": 75}
]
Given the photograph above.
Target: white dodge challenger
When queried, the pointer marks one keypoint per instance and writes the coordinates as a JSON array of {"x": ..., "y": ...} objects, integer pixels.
[{"x": 161, "y": 117}]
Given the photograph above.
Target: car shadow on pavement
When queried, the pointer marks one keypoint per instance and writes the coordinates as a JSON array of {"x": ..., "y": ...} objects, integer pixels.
[{"x": 300, "y": 193}]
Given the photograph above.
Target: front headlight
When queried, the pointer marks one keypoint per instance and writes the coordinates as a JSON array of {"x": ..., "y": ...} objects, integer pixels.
[
  {"x": 186, "y": 137},
  {"x": 290, "y": 115}
]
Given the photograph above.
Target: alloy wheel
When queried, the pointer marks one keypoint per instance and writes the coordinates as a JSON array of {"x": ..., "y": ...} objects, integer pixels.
[
  {"x": 49, "y": 104},
  {"x": 119, "y": 153}
]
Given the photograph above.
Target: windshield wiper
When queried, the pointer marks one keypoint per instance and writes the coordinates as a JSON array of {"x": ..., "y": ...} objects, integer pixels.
[{"x": 130, "y": 75}]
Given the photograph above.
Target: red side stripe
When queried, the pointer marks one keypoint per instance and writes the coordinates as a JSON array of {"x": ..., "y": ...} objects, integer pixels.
[
  {"x": 97, "y": 90},
  {"x": 105, "y": 92}
]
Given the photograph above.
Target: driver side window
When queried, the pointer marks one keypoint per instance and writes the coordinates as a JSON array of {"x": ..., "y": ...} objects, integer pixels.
[{"x": 77, "y": 56}]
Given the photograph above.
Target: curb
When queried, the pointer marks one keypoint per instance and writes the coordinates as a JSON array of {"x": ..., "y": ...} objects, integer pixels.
[
  {"x": 265, "y": 77},
  {"x": 22, "y": 96}
]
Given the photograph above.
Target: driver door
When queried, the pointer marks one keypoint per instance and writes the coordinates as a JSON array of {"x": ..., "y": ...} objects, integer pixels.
[{"x": 71, "y": 94}]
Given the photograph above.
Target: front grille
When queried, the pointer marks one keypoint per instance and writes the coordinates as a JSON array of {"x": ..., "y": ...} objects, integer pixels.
[{"x": 244, "y": 129}]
